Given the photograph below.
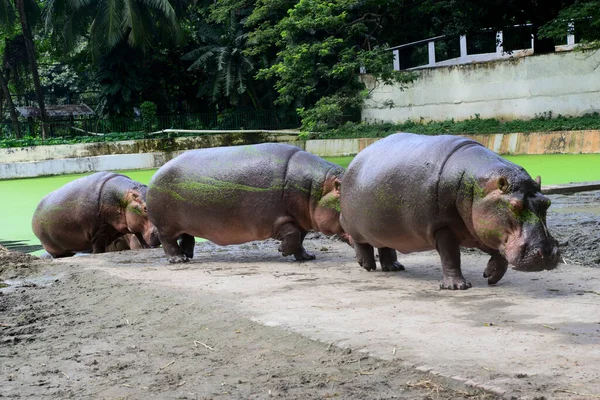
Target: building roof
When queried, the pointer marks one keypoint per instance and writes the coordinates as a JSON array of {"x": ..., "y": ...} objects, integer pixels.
[{"x": 57, "y": 111}]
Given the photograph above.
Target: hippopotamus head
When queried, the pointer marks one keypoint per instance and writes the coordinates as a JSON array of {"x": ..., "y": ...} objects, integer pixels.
[
  {"x": 509, "y": 214},
  {"x": 136, "y": 217},
  {"x": 326, "y": 214}
]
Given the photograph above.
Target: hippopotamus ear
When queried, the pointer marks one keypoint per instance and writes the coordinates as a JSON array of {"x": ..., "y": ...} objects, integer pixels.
[
  {"x": 337, "y": 184},
  {"x": 503, "y": 184},
  {"x": 133, "y": 196},
  {"x": 538, "y": 180}
]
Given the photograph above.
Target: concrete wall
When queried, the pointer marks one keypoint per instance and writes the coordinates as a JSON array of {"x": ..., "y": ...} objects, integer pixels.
[
  {"x": 38, "y": 153},
  {"x": 566, "y": 83},
  {"x": 512, "y": 143}
]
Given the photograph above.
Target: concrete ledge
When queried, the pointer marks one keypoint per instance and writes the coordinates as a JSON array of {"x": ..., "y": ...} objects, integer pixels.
[
  {"x": 571, "y": 187},
  {"x": 152, "y": 153}
]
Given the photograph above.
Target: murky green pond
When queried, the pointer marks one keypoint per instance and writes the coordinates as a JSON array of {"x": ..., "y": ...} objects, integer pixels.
[{"x": 19, "y": 197}]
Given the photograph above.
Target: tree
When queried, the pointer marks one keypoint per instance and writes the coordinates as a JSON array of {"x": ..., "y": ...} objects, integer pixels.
[
  {"x": 105, "y": 24},
  {"x": 29, "y": 13},
  {"x": 14, "y": 59},
  {"x": 323, "y": 46},
  {"x": 222, "y": 60},
  {"x": 581, "y": 19}
]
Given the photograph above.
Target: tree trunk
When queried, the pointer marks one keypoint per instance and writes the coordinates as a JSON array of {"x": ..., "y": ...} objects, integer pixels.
[
  {"x": 11, "y": 106},
  {"x": 33, "y": 63}
]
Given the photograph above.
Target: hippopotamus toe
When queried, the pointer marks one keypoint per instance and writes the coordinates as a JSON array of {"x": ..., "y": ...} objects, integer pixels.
[
  {"x": 395, "y": 266},
  {"x": 455, "y": 284},
  {"x": 178, "y": 259},
  {"x": 304, "y": 256}
]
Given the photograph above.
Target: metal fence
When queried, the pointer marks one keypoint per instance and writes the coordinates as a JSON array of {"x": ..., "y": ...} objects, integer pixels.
[{"x": 98, "y": 129}]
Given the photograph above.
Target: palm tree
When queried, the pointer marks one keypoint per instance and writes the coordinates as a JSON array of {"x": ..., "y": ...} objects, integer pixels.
[
  {"x": 14, "y": 60},
  {"x": 223, "y": 60},
  {"x": 11, "y": 106},
  {"x": 106, "y": 23},
  {"x": 29, "y": 13}
]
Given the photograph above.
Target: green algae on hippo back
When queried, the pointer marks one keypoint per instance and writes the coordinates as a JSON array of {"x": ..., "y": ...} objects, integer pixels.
[
  {"x": 233, "y": 195},
  {"x": 443, "y": 192}
]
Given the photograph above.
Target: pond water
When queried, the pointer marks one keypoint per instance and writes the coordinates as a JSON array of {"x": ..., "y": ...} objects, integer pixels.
[{"x": 20, "y": 197}]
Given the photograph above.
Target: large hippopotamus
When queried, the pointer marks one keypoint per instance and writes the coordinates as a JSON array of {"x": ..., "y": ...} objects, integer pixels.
[
  {"x": 413, "y": 193},
  {"x": 233, "y": 195},
  {"x": 89, "y": 213}
]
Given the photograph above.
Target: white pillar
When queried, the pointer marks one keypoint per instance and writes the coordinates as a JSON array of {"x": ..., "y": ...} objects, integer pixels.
[
  {"x": 499, "y": 43},
  {"x": 570, "y": 34},
  {"x": 463, "y": 46},
  {"x": 431, "y": 52},
  {"x": 396, "y": 59}
]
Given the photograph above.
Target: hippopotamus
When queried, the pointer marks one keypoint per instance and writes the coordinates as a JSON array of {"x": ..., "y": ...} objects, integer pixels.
[
  {"x": 233, "y": 195},
  {"x": 412, "y": 193},
  {"x": 89, "y": 213}
]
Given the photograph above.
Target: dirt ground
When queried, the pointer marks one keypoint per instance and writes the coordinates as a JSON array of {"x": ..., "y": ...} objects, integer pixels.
[{"x": 243, "y": 322}]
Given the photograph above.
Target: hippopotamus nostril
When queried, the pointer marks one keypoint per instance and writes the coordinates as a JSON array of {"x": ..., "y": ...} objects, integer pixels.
[{"x": 539, "y": 252}]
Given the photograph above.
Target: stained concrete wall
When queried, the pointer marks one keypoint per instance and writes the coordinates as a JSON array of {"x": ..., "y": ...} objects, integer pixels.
[
  {"x": 38, "y": 153},
  {"x": 70, "y": 162},
  {"x": 566, "y": 83}
]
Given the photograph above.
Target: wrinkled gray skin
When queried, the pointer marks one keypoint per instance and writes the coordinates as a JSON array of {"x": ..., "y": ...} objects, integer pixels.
[
  {"x": 89, "y": 213},
  {"x": 414, "y": 193},
  {"x": 233, "y": 195}
]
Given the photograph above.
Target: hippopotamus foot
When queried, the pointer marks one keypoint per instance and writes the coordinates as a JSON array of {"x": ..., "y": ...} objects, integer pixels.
[
  {"x": 496, "y": 268},
  {"x": 291, "y": 242},
  {"x": 388, "y": 259},
  {"x": 186, "y": 244},
  {"x": 303, "y": 255},
  {"x": 172, "y": 249},
  {"x": 178, "y": 259},
  {"x": 455, "y": 283},
  {"x": 448, "y": 247},
  {"x": 365, "y": 256}
]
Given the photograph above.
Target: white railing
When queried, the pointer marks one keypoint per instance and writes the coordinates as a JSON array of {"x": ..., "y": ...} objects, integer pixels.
[{"x": 465, "y": 57}]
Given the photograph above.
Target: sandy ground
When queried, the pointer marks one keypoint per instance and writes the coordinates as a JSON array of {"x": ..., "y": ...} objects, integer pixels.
[{"x": 243, "y": 322}]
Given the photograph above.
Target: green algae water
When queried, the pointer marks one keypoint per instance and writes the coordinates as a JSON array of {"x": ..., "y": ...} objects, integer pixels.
[{"x": 20, "y": 197}]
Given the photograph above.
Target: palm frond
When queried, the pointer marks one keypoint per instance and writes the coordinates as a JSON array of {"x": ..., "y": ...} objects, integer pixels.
[
  {"x": 202, "y": 61},
  {"x": 164, "y": 6}
]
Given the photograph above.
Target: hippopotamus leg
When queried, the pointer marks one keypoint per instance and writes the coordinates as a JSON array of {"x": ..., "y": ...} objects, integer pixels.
[
  {"x": 388, "y": 258},
  {"x": 291, "y": 242},
  {"x": 448, "y": 247},
  {"x": 171, "y": 247},
  {"x": 365, "y": 256},
  {"x": 496, "y": 268},
  {"x": 103, "y": 237},
  {"x": 302, "y": 254},
  {"x": 187, "y": 243}
]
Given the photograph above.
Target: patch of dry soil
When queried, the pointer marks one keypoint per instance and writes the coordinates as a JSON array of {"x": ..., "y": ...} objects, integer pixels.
[{"x": 82, "y": 333}]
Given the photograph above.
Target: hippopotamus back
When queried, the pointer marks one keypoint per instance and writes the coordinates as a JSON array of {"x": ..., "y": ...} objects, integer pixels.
[{"x": 396, "y": 184}]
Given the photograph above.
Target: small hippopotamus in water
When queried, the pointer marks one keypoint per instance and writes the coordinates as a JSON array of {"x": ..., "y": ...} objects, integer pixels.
[
  {"x": 233, "y": 195},
  {"x": 89, "y": 213},
  {"x": 413, "y": 193}
]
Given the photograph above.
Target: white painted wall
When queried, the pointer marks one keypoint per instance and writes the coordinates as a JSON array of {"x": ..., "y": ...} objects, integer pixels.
[
  {"x": 566, "y": 83},
  {"x": 332, "y": 147}
]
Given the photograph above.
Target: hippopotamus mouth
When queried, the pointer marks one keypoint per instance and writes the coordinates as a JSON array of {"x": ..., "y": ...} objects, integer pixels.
[
  {"x": 145, "y": 244},
  {"x": 533, "y": 257}
]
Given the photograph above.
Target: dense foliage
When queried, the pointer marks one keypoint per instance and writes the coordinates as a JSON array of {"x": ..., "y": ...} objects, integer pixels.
[{"x": 190, "y": 56}]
